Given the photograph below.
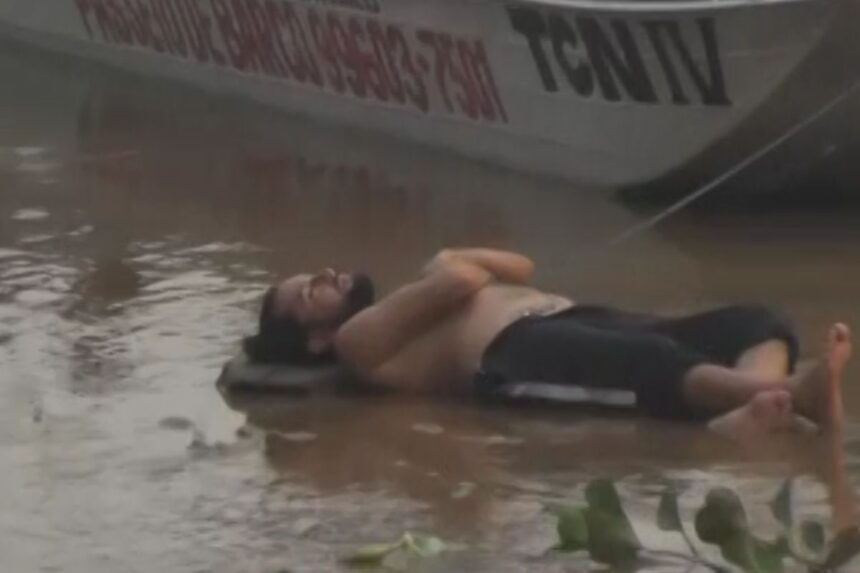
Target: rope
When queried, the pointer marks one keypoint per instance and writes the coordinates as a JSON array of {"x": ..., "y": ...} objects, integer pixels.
[{"x": 737, "y": 168}]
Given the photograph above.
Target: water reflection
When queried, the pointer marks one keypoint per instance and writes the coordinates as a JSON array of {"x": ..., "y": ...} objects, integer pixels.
[
  {"x": 468, "y": 466},
  {"x": 138, "y": 225}
]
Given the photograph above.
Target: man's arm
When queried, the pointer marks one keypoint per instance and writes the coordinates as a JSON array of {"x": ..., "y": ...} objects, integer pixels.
[
  {"x": 504, "y": 266},
  {"x": 375, "y": 335}
]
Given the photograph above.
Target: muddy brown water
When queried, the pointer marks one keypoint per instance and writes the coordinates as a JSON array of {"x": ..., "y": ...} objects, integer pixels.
[{"x": 140, "y": 222}]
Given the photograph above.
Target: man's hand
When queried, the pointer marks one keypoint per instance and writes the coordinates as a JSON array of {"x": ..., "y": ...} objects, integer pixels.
[{"x": 504, "y": 266}]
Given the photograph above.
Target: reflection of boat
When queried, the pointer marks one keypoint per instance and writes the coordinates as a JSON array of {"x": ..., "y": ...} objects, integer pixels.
[
  {"x": 607, "y": 93},
  {"x": 174, "y": 166}
]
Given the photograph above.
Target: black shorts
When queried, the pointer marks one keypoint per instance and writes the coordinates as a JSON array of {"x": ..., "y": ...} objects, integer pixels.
[{"x": 600, "y": 355}]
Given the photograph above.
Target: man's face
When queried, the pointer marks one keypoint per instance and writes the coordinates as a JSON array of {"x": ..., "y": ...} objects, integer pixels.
[{"x": 326, "y": 298}]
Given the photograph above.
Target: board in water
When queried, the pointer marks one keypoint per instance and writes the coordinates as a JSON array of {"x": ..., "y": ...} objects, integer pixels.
[{"x": 240, "y": 374}]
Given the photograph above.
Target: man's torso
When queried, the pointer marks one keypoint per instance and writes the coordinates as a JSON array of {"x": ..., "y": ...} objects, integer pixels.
[{"x": 446, "y": 357}]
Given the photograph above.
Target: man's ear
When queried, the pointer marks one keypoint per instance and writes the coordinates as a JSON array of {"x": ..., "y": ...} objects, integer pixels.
[{"x": 320, "y": 340}]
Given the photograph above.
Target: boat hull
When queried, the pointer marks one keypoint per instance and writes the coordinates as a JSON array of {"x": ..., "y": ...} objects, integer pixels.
[{"x": 609, "y": 94}]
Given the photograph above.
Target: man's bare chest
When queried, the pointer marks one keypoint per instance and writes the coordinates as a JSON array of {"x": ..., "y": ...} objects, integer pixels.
[{"x": 447, "y": 355}]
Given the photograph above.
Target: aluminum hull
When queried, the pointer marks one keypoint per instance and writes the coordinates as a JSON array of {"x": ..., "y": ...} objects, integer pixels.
[{"x": 607, "y": 94}]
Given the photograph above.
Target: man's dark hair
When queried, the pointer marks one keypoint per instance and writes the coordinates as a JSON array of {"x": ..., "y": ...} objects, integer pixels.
[{"x": 281, "y": 339}]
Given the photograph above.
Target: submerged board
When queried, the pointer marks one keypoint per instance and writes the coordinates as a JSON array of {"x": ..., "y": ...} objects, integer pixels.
[{"x": 242, "y": 375}]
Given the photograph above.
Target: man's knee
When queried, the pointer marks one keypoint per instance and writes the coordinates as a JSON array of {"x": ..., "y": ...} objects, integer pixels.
[
  {"x": 769, "y": 359},
  {"x": 757, "y": 325}
]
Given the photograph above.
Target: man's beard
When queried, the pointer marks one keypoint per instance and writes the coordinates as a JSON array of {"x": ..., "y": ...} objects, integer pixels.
[{"x": 360, "y": 296}]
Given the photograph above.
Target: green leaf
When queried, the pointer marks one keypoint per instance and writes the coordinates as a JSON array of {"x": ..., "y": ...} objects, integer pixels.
[
  {"x": 611, "y": 538},
  {"x": 781, "y": 504},
  {"x": 782, "y": 544},
  {"x": 427, "y": 545},
  {"x": 813, "y": 536},
  {"x": 409, "y": 547},
  {"x": 602, "y": 496},
  {"x": 722, "y": 520},
  {"x": 754, "y": 555},
  {"x": 738, "y": 550},
  {"x": 668, "y": 516},
  {"x": 371, "y": 555},
  {"x": 769, "y": 556},
  {"x": 572, "y": 527}
]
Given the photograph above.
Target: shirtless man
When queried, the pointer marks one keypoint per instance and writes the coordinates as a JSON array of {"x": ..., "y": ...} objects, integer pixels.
[{"x": 472, "y": 324}]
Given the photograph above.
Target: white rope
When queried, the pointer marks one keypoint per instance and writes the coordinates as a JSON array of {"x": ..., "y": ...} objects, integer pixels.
[{"x": 714, "y": 183}]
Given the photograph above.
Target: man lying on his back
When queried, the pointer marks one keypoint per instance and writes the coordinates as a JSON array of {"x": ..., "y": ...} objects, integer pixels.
[{"x": 471, "y": 324}]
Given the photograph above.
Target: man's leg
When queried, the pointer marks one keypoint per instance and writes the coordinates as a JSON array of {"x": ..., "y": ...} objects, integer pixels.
[
  {"x": 751, "y": 338},
  {"x": 669, "y": 379},
  {"x": 569, "y": 350},
  {"x": 815, "y": 393},
  {"x": 768, "y": 360}
]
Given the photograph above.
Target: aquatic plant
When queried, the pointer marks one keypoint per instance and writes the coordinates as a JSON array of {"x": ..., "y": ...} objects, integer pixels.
[
  {"x": 601, "y": 528},
  {"x": 410, "y": 546}
]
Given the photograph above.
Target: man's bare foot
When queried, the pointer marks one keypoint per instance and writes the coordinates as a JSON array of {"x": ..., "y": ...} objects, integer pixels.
[
  {"x": 769, "y": 412},
  {"x": 817, "y": 392}
]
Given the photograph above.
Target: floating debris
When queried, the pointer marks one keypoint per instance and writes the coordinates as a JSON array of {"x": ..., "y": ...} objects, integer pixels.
[
  {"x": 431, "y": 429},
  {"x": 30, "y": 215},
  {"x": 463, "y": 490},
  {"x": 175, "y": 423}
]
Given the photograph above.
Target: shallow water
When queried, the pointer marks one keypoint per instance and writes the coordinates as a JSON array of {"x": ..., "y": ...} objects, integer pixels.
[{"x": 140, "y": 222}]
